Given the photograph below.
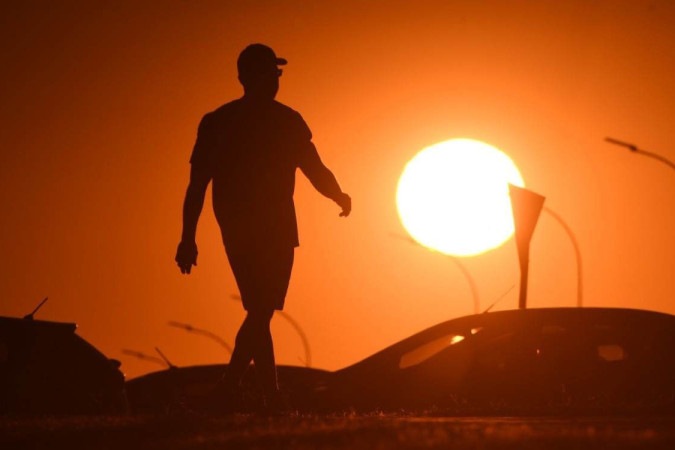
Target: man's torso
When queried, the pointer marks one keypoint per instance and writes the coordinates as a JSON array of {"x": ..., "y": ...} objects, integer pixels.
[{"x": 252, "y": 152}]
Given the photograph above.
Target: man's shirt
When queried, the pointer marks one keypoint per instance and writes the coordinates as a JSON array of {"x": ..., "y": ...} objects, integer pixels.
[{"x": 251, "y": 151}]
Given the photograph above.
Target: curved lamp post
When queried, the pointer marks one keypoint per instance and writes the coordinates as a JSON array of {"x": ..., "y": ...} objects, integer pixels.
[
  {"x": 635, "y": 149},
  {"x": 577, "y": 252},
  {"x": 460, "y": 266},
  {"x": 305, "y": 342},
  {"x": 191, "y": 329},
  {"x": 142, "y": 356},
  {"x": 472, "y": 283}
]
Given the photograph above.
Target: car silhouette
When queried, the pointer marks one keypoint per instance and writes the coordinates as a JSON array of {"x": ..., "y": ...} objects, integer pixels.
[
  {"x": 518, "y": 361},
  {"x": 46, "y": 368}
]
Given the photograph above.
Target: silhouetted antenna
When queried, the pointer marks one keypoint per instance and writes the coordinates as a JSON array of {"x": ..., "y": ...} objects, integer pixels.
[
  {"x": 30, "y": 316},
  {"x": 634, "y": 148},
  {"x": 499, "y": 299},
  {"x": 460, "y": 266},
  {"x": 166, "y": 360},
  {"x": 298, "y": 329},
  {"x": 192, "y": 329},
  {"x": 143, "y": 356}
]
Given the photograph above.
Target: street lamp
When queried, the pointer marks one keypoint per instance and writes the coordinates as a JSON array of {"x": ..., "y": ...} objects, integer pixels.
[
  {"x": 635, "y": 149},
  {"x": 526, "y": 207},
  {"x": 163, "y": 360},
  {"x": 191, "y": 329},
  {"x": 461, "y": 267}
]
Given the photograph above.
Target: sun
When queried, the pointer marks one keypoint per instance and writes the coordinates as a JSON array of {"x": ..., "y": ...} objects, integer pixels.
[{"x": 453, "y": 197}]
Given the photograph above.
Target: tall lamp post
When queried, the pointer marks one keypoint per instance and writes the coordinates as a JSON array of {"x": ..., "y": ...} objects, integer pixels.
[{"x": 526, "y": 207}]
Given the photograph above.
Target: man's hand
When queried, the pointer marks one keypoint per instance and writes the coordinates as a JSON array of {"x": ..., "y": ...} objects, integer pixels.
[
  {"x": 345, "y": 202},
  {"x": 186, "y": 256}
]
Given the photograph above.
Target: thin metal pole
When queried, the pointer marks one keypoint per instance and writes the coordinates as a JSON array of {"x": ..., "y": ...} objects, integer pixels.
[
  {"x": 524, "y": 272},
  {"x": 577, "y": 253}
]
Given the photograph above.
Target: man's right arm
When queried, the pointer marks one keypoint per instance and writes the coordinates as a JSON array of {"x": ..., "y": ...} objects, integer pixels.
[
  {"x": 186, "y": 256},
  {"x": 200, "y": 176}
]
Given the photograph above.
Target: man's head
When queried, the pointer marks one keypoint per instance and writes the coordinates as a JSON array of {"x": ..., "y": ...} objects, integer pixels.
[{"x": 258, "y": 71}]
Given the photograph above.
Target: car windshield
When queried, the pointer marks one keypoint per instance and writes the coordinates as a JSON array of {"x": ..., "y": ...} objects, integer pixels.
[{"x": 425, "y": 351}]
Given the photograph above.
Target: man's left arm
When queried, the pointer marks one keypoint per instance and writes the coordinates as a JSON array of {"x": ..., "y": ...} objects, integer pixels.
[{"x": 323, "y": 179}]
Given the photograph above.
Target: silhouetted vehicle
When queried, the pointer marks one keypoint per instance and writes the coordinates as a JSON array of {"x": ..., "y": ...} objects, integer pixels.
[
  {"x": 46, "y": 368},
  {"x": 186, "y": 387},
  {"x": 530, "y": 360}
]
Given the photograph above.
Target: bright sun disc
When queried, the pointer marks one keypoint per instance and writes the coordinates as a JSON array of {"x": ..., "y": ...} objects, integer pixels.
[{"x": 453, "y": 197}]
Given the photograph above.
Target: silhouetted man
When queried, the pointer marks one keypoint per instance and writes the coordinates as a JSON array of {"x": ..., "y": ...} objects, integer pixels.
[{"x": 251, "y": 148}]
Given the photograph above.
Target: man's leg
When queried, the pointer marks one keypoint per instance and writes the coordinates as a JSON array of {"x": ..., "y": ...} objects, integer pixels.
[
  {"x": 262, "y": 275},
  {"x": 242, "y": 355},
  {"x": 254, "y": 342},
  {"x": 263, "y": 351}
]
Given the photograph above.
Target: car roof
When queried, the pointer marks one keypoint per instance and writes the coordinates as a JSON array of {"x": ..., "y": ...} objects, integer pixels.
[
  {"x": 518, "y": 319},
  {"x": 18, "y": 325}
]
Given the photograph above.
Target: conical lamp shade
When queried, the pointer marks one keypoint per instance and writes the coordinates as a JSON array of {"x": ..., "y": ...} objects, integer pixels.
[{"x": 526, "y": 207}]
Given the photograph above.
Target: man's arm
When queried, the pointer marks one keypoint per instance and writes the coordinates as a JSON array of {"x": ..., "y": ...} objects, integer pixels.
[
  {"x": 324, "y": 181},
  {"x": 186, "y": 255}
]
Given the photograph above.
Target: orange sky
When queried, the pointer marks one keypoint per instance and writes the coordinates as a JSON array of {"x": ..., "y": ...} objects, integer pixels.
[{"x": 100, "y": 106}]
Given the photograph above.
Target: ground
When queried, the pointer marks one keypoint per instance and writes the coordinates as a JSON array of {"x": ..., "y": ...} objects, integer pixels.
[{"x": 337, "y": 431}]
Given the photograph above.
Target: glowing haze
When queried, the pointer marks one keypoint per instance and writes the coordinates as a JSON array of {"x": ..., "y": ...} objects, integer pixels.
[
  {"x": 101, "y": 103},
  {"x": 453, "y": 197}
]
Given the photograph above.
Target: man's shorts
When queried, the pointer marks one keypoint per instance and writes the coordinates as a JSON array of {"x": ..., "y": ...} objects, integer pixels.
[{"x": 262, "y": 275}]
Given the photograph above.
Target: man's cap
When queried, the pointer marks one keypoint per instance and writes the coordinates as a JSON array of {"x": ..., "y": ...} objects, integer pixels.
[{"x": 258, "y": 58}]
